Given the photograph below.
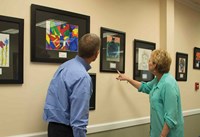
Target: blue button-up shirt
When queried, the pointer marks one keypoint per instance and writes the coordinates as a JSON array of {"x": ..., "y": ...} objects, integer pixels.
[
  {"x": 68, "y": 96},
  {"x": 165, "y": 106}
]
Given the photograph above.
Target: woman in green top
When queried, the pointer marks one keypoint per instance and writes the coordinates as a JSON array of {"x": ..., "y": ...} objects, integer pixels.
[{"x": 166, "y": 118}]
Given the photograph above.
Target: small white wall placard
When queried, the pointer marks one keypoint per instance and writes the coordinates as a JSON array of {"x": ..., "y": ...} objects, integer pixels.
[
  {"x": 144, "y": 76},
  {"x": 181, "y": 75},
  {"x": 113, "y": 65},
  {"x": 62, "y": 54}
]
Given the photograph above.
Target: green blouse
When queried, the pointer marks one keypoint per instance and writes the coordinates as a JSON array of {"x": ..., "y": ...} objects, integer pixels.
[{"x": 165, "y": 106}]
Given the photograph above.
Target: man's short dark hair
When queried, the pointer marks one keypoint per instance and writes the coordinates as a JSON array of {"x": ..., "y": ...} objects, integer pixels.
[{"x": 89, "y": 44}]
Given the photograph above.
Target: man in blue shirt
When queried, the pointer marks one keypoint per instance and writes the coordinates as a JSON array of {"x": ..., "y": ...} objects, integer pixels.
[{"x": 67, "y": 101}]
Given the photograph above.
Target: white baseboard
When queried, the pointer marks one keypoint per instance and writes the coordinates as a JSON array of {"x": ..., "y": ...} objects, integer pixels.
[
  {"x": 39, "y": 134},
  {"x": 113, "y": 125},
  {"x": 129, "y": 123},
  {"x": 191, "y": 112},
  {"x": 117, "y": 125}
]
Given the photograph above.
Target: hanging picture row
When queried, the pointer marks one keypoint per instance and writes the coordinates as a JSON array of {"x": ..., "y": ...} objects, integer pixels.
[
  {"x": 55, "y": 33},
  {"x": 112, "y": 54},
  {"x": 196, "y": 58},
  {"x": 181, "y": 66},
  {"x": 11, "y": 50},
  {"x": 142, "y": 52}
]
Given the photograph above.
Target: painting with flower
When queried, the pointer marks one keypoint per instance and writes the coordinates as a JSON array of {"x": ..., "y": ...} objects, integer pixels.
[{"x": 4, "y": 50}]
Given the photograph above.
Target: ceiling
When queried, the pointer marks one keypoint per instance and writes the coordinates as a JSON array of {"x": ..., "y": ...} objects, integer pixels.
[{"x": 195, "y": 4}]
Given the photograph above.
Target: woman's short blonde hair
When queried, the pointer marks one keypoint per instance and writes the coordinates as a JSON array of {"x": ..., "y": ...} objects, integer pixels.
[{"x": 162, "y": 60}]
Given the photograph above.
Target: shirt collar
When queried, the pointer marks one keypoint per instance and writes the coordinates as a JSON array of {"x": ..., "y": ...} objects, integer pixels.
[
  {"x": 83, "y": 62},
  {"x": 162, "y": 80}
]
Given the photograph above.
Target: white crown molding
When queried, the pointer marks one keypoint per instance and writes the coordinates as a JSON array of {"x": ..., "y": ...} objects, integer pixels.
[{"x": 190, "y": 4}]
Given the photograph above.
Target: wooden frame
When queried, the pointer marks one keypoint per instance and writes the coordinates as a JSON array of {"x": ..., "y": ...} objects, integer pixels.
[
  {"x": 196, "y": 58},
  {"x": 142, "y": 51},
  {"x": 181, "y": 66},
  {"x": 112, "y": 54},
  {"x": 55, "y": 33},
  {"x": 11, "y": 50}
]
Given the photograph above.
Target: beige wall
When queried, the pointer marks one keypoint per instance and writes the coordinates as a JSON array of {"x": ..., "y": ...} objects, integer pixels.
[
  {"x": 22, "y": 105},
  {"x": 187, "y": 36}
]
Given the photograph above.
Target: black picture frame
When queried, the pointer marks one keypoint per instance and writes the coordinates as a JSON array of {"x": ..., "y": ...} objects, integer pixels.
[
  {"x": 142, "y": 50},
  {"x": 55, "y": 33},
  {"x": 181, "y": 66},
  {"x": 112, "y": 56},
  {"x": 11, "y": 50},
  {"x": 93, "y": 97},
  {"x": 196, "y": 58}
]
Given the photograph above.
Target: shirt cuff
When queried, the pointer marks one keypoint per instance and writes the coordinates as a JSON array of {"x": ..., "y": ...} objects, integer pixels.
[
  {"x": 141, "y": 87},
  {"x": 170, "y": 122}
]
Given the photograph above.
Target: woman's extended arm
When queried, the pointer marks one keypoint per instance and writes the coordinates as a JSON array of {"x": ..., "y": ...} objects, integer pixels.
[{"x": 133, "y": 82}]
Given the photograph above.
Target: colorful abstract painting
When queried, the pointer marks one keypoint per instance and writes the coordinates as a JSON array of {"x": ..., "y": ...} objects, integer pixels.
[
  {"x": 61, "y": 36},
  {"x": 113, "y": 49},
  {"x": 4, "y": 50}
]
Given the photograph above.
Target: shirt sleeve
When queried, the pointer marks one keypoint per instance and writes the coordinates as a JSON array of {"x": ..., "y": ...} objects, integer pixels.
[
  {"x": 170, "y": 104},
  {"x": 146, "y": 86},
  {"x": 79, "y": 110}
]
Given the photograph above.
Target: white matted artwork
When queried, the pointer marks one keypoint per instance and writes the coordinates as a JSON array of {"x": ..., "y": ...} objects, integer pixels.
[
  {"x": 181, "y": 66},
  {"x": 112, "y": 54},
  {"x": 142, "y": 52},
  {"x": 11, "y": 50}
]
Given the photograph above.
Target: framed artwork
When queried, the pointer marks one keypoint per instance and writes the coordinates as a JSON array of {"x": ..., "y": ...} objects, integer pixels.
[
  {"x": 11, "y": 50},
  {"x": 55, "y": 34},
  {"x": 112, "y": 54},
  {"x": 196, "y": 58},
  {"x": 93, "y": 97},
  {"x": 181, "y": 66},
  {"x": 142, "y": 52}
]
